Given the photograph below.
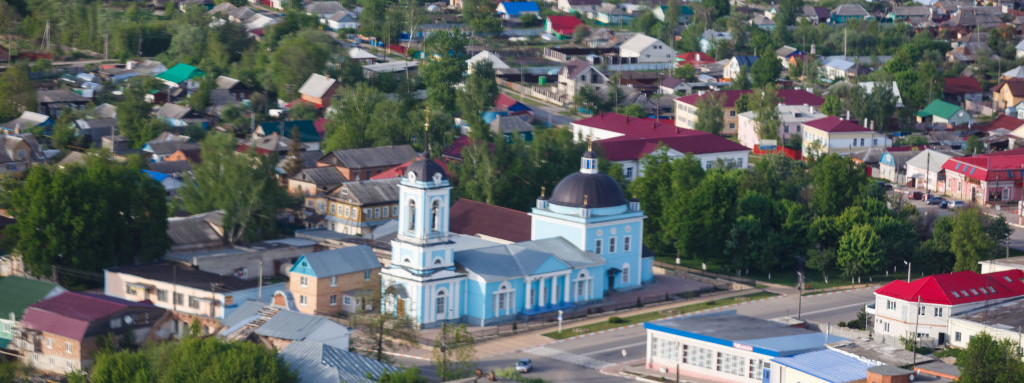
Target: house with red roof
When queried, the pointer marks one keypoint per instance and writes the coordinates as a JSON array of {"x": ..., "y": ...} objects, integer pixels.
[
  {"x": 961, "y": 89},
  {"x": 561, "y": 27},
  {"x": 835, "y": 135},
  {"x": 686, "y": 106},
  {"x": 928, "y": 303},
  {"x": 986, "y": 178},
  {"x": 399, "y": 171},
  {"x": 60, "y": 334},
  {"x": 627, "y": 140},
  {"x": 696, "y": 59}
]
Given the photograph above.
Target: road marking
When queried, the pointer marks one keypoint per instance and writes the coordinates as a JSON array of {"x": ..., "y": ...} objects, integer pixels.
[
  {"x": 563, "y": 356},
  {"x": 825, "y": 310},
  {"x": 616, "y": 348}
]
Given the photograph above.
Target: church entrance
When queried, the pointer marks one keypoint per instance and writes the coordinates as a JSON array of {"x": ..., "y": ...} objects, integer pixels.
[{"x": 612, "y": 274}]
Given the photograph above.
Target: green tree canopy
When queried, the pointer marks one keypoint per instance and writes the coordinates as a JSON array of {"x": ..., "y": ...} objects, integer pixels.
[
  {"x": 16, "y": 93},
  {"x": 296, "y": 57},
  {"x": 454, "y": 354},
  {"x": 444, "y": 66},
  {"x": 710, "y": 117},
  {"x": 91, "y": 216},
  {"x": 366, "y": 117},
  {"x": 989, "y": 360},
  {"x": 836, "y": 183},
  {"x": 477, "y": 96},
  {"x": 765, "y": 71}
]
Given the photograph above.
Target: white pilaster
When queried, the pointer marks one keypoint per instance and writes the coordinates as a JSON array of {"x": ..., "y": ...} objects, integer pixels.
[
  {"x": 568, "y": 287},
  {"x": 554, "y": 290},
  {"x": 542, "y": 290},
  {"x": 529, "y": 293}
]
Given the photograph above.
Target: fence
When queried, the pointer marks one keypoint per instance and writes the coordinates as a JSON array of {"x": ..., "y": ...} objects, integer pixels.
[
  {"x": 791, "y": 153},
  {"x": 713, "y": 276},
  {"x": 547, "y": 94}
]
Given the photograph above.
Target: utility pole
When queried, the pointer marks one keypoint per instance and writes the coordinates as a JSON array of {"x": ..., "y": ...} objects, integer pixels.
[
  {"x": 800, "y": 294},
  {"x": 844, "y": 42},
  {"x": 259, "y": 292}
]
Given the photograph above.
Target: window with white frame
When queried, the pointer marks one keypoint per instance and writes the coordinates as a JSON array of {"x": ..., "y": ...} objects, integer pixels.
[
  {"x": 501, "y": 302},
  {"x": 193, "y": 302},
  {"x": 440, "y": 303},
  {"x": 366, "y": 275},
  {"x": 302, "y": 300},
  {"x": 625, "y": 274},
  {"x": 626, "y": 243},
  {"x": 334, "y": 300},
  {"x": 334, "y": 281},
  {"x": 161, "y": 295},
  {"x": 347, "y": 300},
  {"x": 67, "y": 347},
  {"x": 376, "y": 213},
  {"x": 611, "y": 245},
  {"x": 302, "y": 281}
]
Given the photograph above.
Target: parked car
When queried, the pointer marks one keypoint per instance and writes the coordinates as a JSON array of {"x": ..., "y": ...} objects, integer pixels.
[
  {"x": 935, "y": 200},
  {"x": 884, "y": 185},
  {"x": 524, "y": 365},
  {"x": 915, "y": 195},
  {"x": 951, "y": 204}
]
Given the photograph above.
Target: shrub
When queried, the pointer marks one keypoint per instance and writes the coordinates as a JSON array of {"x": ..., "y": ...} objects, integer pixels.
[
  {"x": 841, "y": 324},
  {"x": 616, "y": 320}
]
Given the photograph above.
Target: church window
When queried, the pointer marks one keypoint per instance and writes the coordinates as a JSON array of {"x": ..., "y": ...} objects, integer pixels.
[
  {"x": 625, "y": 274},
  {"x": 597, "y": 246},
  {"x": 435, "y": 217},
  {"x": 437, "y": 261},
  {"x": 411, "y": 216},
  {"x": 501, "y": 301},
  {"x": 611, "y": 245},
  {"x": 580, "y": 288},
  {"x": 440, "y": 302},
  {"x": 625, "y": 243}
]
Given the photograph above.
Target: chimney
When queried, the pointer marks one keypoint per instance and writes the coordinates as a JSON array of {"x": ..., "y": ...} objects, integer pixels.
[
  {"x": 17, "y": 128},
  {"x": 847, "y": 114},
  {"x": 809, "y": 109}
]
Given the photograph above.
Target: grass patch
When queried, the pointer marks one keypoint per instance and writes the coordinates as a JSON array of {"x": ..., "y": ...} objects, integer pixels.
[
  {"x": 812, "y": 278},
  {"x": 616, "y": 321}
]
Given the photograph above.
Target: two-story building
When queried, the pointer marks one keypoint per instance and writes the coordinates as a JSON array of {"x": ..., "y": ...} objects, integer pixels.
[
  {"x": 1008, "y": 93},
  {"x": 334, "y": 281},
  {"x": 791, "y": 118},
  {"x": 363, "y": 163},
  {"x": 986, "y": 178},
  {"x": 357, "y": 207},
  {"x": 577, "y": 74},
  {"x": 835, "y": 135},
  {"x": 647, "y": 49},
  {"x": 18, "y": 152},
  {"x": 687, "y": 106},
  {"x": 60, "y": 334},
  {"x": 928, "y": 303}
]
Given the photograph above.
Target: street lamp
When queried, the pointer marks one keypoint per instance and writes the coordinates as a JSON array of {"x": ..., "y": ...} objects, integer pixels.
[{"x": 908, "y": 270}]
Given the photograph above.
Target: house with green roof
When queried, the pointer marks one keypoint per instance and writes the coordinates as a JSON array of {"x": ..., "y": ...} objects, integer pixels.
[
  {"x": 18, "y": 294},
  {"x": 182, "y": 76},
  {"x": 308, "y": 133},
  {"x": 943, "y": 113}
]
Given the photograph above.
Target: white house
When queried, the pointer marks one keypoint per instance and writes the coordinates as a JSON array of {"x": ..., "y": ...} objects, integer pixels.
[
  {"x": 834, "y": 135},
  {"x": 735, "y": 65},
  {"x": 496, "y": 61},
  {"x": 926, "y": 166},
  {"x": 792, "y": 116},
  {"x": 870, "y": 85},
  {"x": 1020, "y": 49},
  {"x": 647, "y": 49},
  {"x": 577, "y": 74},
  {"x": 928, "y": 303}
]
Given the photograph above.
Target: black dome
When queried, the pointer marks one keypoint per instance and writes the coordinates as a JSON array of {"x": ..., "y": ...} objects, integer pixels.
[
  {"x": 425, "y": 168},
  {"x": 600, "y": 189}
]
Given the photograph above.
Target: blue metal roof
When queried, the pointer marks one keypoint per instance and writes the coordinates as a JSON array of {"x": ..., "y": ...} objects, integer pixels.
[
  {"x": 745, "y": 333},
  {"x": 159, "y": 177},
  {"x": 795, "y": 344},
  {"x": 828, "y": 365},
  {"x": 515, "y": 8}
]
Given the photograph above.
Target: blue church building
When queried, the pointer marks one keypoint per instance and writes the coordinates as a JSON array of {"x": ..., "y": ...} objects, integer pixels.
[{"x": 586, "y": 241}]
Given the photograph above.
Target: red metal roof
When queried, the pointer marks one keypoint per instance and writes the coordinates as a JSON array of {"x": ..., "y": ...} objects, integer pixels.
[
  {"x": 833, "y": 124},
  {"x": 633, "y": 126},
  {"x": 958, "y": 288},
  {"x": 694, "y": 58},
  {"x": 628, "y": 148},
  {"x": 399, "y": 171},
  {"x": 564, "y": 25},
  {"x": 477, "y": 218},
  {"x": 989, "y": 167},
  {"x": 731, "y": 96},
  {"x": 799, "y": 97},
  {"x": 69, "y": 314},
  {"x": 243, "y": 148},
  {"x": 1005, "y": 122},
  {"x": 962, "y": 85}
]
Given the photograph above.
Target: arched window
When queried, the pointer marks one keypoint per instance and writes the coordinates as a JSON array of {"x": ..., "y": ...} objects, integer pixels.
[
  {"x": 437, "y": 261},
  {"x": 411, "y": 216},
  {"x": 440, "y": 303},
  {"x": 435, "y": 217}
]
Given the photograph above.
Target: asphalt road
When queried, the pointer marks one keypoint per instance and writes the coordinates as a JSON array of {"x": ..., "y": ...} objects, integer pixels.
[{"x": 542, "y": 111}]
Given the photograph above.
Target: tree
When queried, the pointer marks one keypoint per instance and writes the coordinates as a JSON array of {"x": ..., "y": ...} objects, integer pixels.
[
  {"x": 296, "y": 57},
  {"x": 292, "y": 163},
  {"x": 122, "y": 366},
  {"x": 987, "y": 360},
  {"x": 133, "y": 114},
  {"x": 831, "y": 106},
  {"x": 384, "y": 332},
  {"x": 454, "y": 352},
  {"x": 91, "y": 216},
  {"x": 822, "y": 260},
  {"x": 302, "y": 111},
  {"x": 710, "y": 117},
  {"x": 718, "y": 8},
  {"x": 968, "y": 241},
  {"x": 860, "y": 252},
  {"x": 700, "y": 221},
  {"x": 766, "y": 70},
  {"x": 742, "y": 80},
  {"x": 477, "y": 96},
  {"x": 591, "y": 100},
  {"x": 479, "y": 15},
  {"x": 199, "y": 100},
  {"x": 836, "y": 183},
  {"x": 911, "y": 140},
  {"x": 241, "y": 184},
  {"x": 579, "y": 33},
  {"x": 16, "y": 93},
  {"x": 974, "y": 146},
  {"x": 366, "y": 117},
  {"x": 634, "y": 110},
  {"x": 766, "y": 104},
  {"x": 405, "y": 375},
  {"x": 444, "y": 67},
  {"x": 685, "y": 72}
]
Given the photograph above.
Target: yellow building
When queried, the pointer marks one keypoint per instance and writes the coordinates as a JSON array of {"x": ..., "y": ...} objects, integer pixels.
[
  {"x": 356, "y": 207},
  {"x": 686, "y": 109},
  {"x": 1008, "y": 93}
]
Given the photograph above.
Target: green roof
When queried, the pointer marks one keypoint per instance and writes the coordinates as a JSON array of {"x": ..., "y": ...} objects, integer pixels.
[
  {"x": 307, "y": 129},
  {"x": 19, "y": 293},
  {"x": 181, "y": 73},
  {"x": 939, "y": 108}
]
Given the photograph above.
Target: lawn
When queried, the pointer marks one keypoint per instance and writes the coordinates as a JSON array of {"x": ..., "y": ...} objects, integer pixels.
[
  {"x": 813, "y": 279},
  {"x": 615, "y": 322}
]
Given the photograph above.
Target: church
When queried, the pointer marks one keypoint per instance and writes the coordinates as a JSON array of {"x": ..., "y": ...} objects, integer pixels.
[{"x": 586, "y": 241}]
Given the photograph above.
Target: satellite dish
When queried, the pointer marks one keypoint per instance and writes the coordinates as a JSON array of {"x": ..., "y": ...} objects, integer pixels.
[{"x": 128, "y": 319}]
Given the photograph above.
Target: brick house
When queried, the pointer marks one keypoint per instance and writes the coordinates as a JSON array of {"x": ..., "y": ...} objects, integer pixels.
[
  {"x": 986, "y": 178},
  {"x": 59, "y": 334},
  {"x": 333, "y": 281},
  {"x": 318, "y": 89},
  {"x": 363, "y": 163}
]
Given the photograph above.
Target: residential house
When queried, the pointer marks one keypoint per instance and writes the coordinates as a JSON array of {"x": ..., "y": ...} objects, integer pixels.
[
  {"x": 924, "y": 306},
  {"x": 316, "y": 362},
  {"x": 27, "y": 120},
  {"x": 496, "y": 62},
  {"x": 159, "y": 150},
  {"x": 647, "y": 49},
  {"x": 847, "y": 12},
  {"x": 318, "y": 89},
  {"x": 399, "y": 171},
  {"x": 989, "y": 178},
  {"x": 695, "y": 59},
  {"x": 341, "y": 20},
  {"x": 334, "y": 281},
  {"x": 279, "y": 325},
  {"x": 577, "y": 74},
  {"x": 182, "y": 76},
  {"x": 511, "y": 126},
  {"x": 785, "y": 53},
  {"x": 61, "y": 334},
  {"x": 170, "y": 184},
  {"x": 685, "y": 13},
  {"x": 18, "y": 152},
  {"x": 577, "y": 6},
  {"x": 941, "y": 113},
  {"x": 1000, "y": 321},
  {"x": 363, "y": 163},
  {"x": 396, "y": 68},
  {"x": 686, "y": 106},
  {"x": 737, "y": 64},
  {"x": 670, "y": 85},
  {"x": 1015, "y": 73},
  {"x": 1007, "y": 93},
  {"x": 361, "y": 56},
  {"x": 834, "y": 135},
  {"x": 246, "y": 260},
  {"x": 816, "y": 14},
  {"x": 180, "y": 116},
  {"x": 192, "y": 294},
  {"x": 509, "y": 10},
  {"x": 839, "y": 68},
  {"x": 235, "y": 88},
  {"x": 561, "y": 27},
  {"x": 20, "y": 293},
  {"x": 610, "y": 14},
  {"x": 316, "y": 180},
  {"x": 94, "y": 129},
  {"x": 309, "y": 135},
  {"x": 710, "y": 38},
  {"x": 490, "y": 222},
  {"x": 53, "y": 103},
  {"x": 791, "y": 118},
  {"x": 357, "y": 207},
  {"x": 322, "y": 9},
  {"x": 961, "y": 89},
  {"x": 180, "y": 169},
  {"x": 925, "y": 170},
  {"x": 973, "y": 18},
  {"x": 1020, "y": 49},
  {"x": 905, "y": 13},
  {"x": 869, "y": 86},
  {"x": 892, "y": 165}
]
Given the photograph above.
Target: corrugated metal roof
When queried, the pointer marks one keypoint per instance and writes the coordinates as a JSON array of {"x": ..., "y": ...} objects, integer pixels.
[
  {"x": 28, "y": 291},
  {"x": 523, "y": 258},
  {"x": 342, "y": 261},
  {"x": 293, "y": 325},
  {"x": 828, "y": 365},
  {"x": 367, "y": 192},
  {"x": 317, "y": 362}
]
